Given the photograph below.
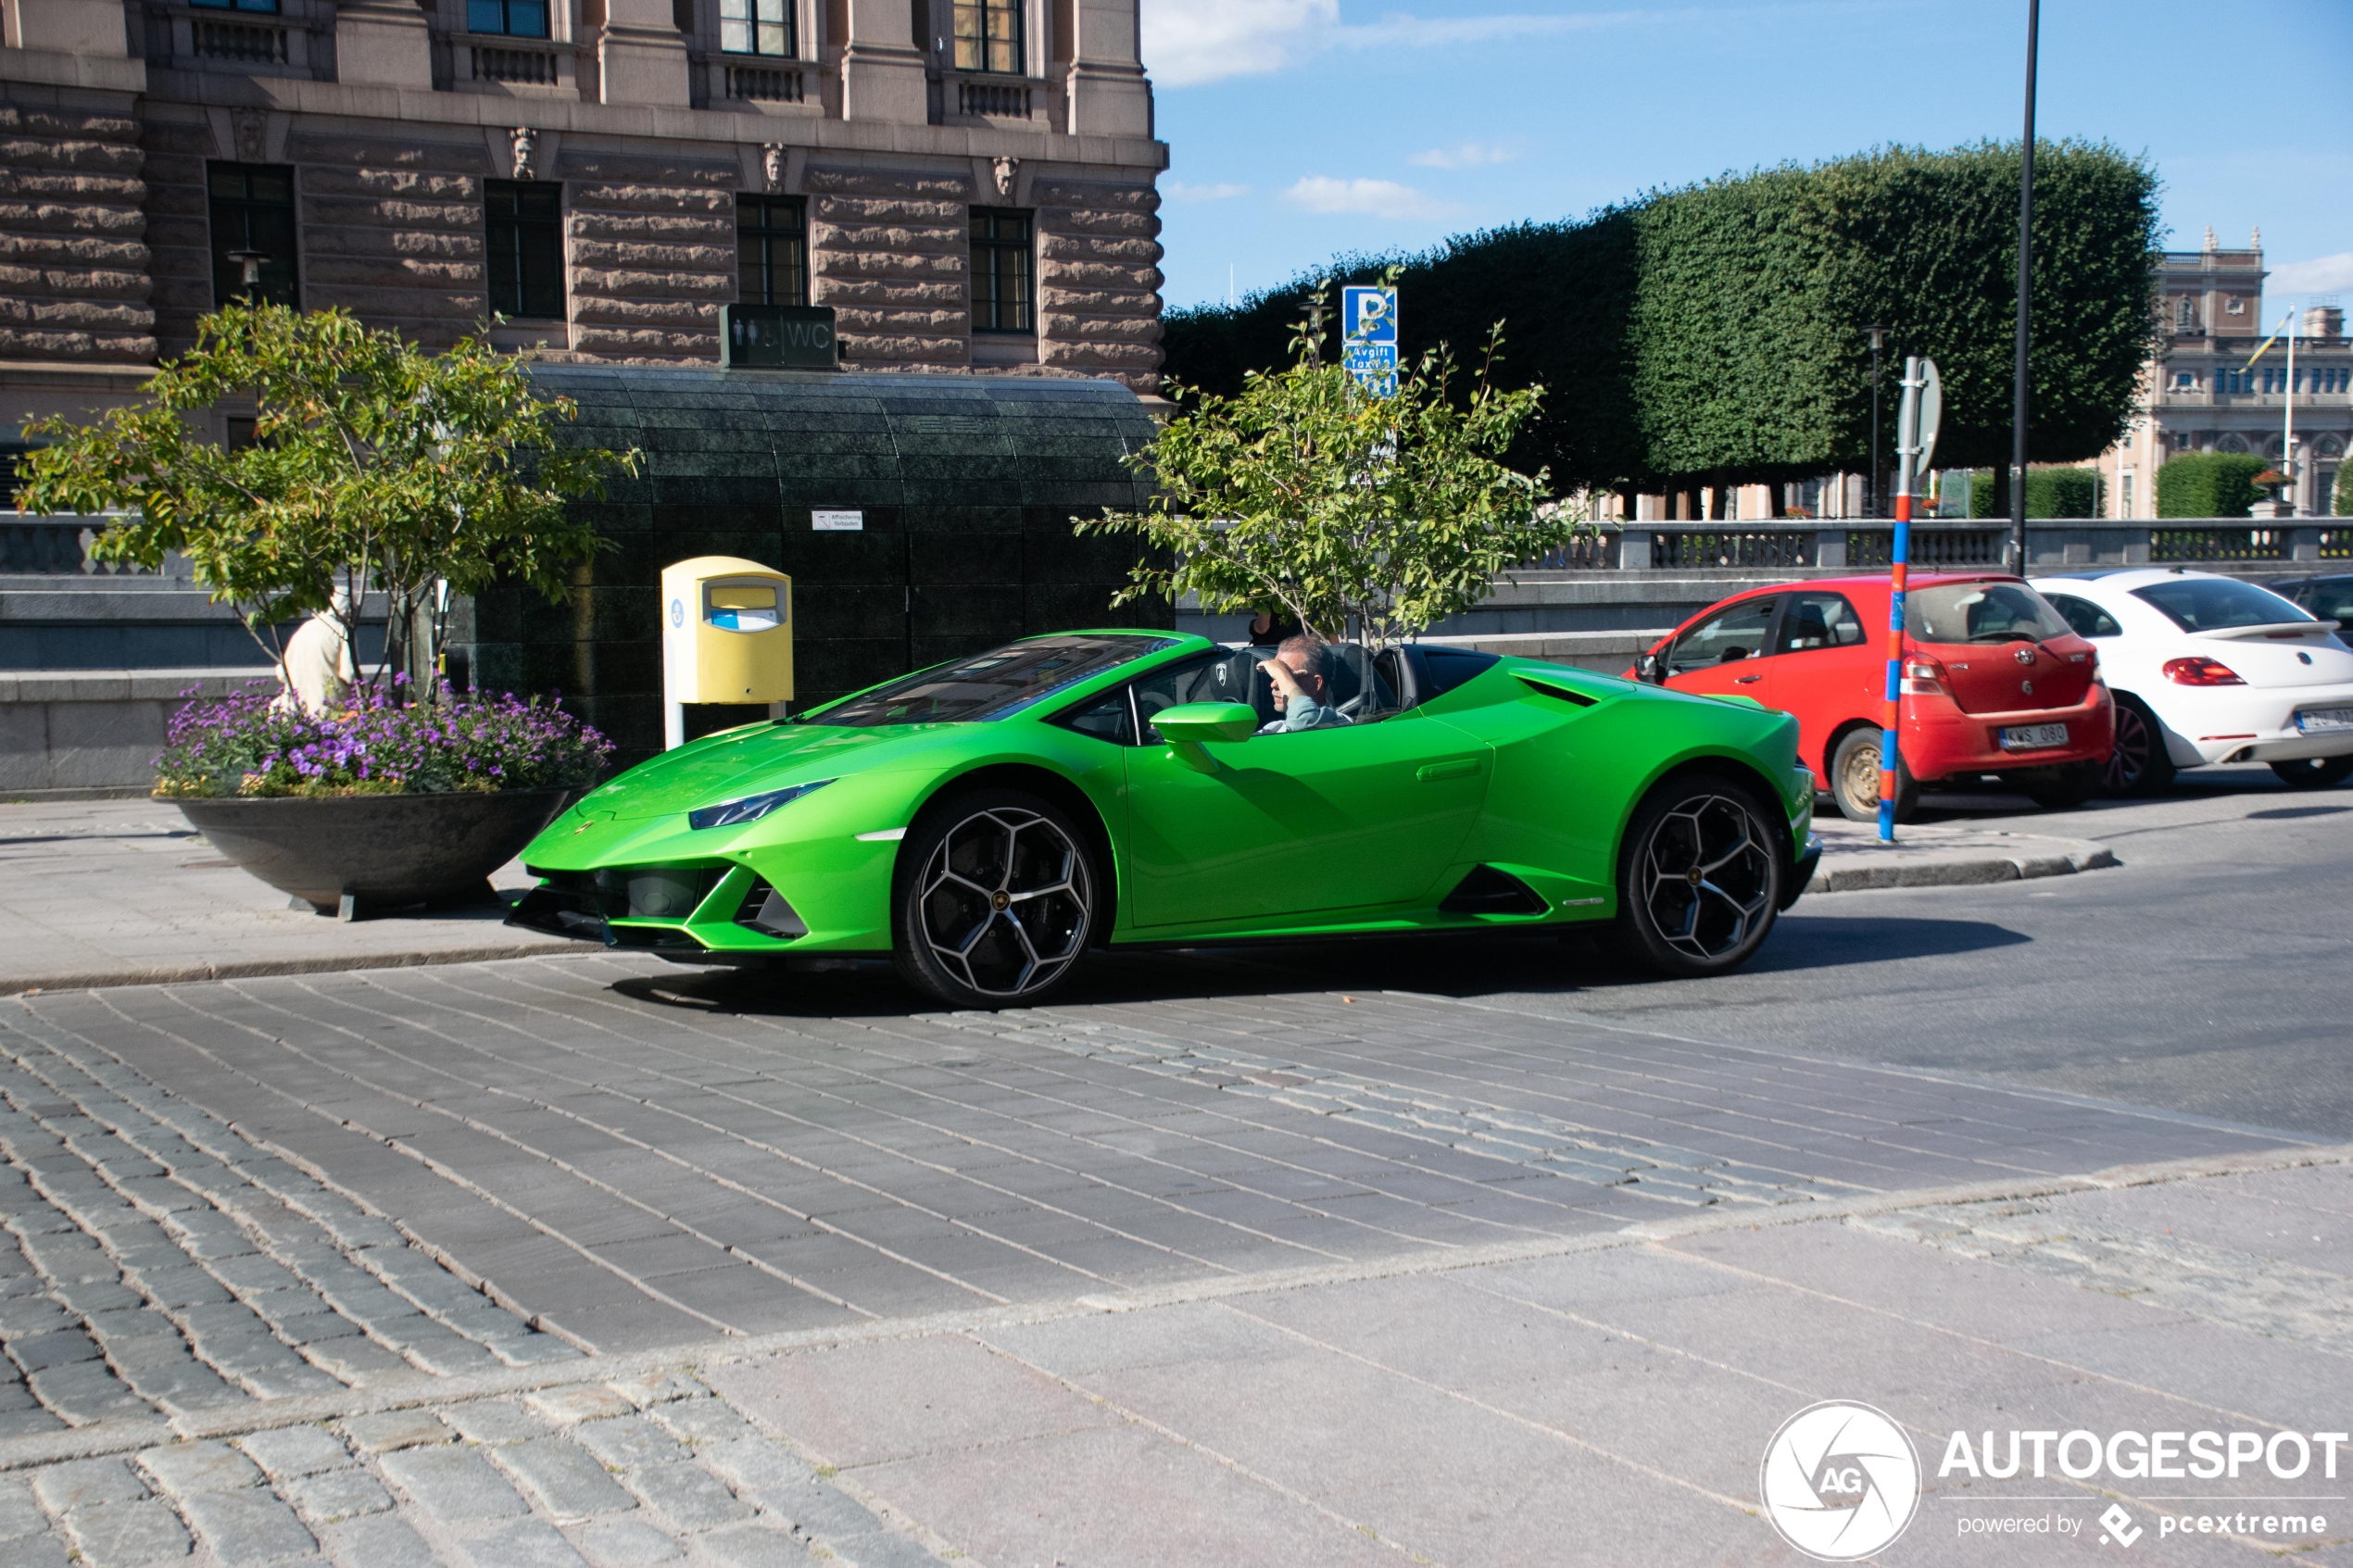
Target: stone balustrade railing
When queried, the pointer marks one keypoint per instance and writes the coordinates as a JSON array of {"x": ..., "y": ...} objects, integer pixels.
[{"x": 2055, "y": 544}]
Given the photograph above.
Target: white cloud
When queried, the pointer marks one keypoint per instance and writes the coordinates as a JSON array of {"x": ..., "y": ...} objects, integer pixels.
[
  {"x": 1187, "y": 42},
  {"x": 2321, "y": 275},
  {"x": 1470, "y": 154},
  {"x": 1377, "y": 198},
  {"x": 1178, "y": 191}
]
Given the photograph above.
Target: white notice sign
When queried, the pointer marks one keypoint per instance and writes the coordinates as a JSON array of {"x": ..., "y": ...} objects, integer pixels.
[{"x": 838, "y": 522}]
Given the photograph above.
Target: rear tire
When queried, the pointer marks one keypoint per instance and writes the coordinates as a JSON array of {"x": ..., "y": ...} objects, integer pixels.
[
  {"x": 1699, "y": 880},
  {"x": 1855, "y": 779},
  {"x": 2314, "y": 772},
  {"x": 2064, "y": 787},
  {"x": 994, "y": 899},
  {"x": 2138, "y": 766}
]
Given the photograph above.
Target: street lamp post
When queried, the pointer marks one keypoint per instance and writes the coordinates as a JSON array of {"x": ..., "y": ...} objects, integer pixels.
[
  {"x": 2025, "y": 281},
  {"x": 1871, "y": 480}
]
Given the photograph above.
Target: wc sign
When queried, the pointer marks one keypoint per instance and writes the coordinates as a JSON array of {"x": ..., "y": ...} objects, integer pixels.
[{"x": 1368, "y": 337}]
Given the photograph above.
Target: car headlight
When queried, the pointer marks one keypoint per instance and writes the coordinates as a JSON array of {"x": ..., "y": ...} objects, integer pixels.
[{"x": 750, "y": 809}]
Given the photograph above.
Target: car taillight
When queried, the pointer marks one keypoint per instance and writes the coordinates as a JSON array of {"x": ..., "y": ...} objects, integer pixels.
[
  {"x": 2201, "y": 671},
  {"x": 1923, "y": 677}
]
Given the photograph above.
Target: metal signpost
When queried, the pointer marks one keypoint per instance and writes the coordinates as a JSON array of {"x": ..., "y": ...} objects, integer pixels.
[
  {"x": 1916, "y": 425},
  {"x": 1368, "y": 338}
]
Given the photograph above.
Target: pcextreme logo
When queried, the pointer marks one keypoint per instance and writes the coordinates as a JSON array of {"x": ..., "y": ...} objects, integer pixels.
[{"x": 1839, "y": 1480}]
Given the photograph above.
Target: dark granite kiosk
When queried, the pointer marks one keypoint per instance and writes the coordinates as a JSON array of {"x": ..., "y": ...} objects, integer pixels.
[{"x": 965, "y": 487}]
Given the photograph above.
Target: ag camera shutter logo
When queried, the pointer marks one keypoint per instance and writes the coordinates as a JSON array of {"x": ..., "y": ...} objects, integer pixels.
[{"x": 1839, "y": 1481}]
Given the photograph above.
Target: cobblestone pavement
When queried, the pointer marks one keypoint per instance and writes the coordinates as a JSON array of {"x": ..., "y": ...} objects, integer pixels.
[
  {"x": 426, "y": 1265},
  {"x": 628, "y": 1157}
]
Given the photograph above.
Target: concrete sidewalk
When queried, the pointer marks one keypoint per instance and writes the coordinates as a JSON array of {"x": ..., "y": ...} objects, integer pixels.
[
  {"x": 1604, "y": 1399},
  {"x": 97, "y": 893},
  {"x": 125, "y": 893}
]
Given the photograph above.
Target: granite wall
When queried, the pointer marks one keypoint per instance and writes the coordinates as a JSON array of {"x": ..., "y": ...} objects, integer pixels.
[
  {"x": 73, "y": 253},
  {"x": 968, "y": 486}
]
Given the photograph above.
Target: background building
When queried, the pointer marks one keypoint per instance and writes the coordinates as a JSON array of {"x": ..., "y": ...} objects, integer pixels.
[
  {"x": 2200, "y": 395},
  {"x": 969, "y": 184}
]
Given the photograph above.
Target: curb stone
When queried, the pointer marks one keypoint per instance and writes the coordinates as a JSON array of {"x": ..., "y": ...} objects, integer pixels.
[{"x": 1928, "y": 866}]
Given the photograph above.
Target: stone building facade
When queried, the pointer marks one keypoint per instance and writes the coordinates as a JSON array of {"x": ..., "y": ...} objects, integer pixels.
[
  {"x": 605, "y": 174},
  {"x": 2200, "y": 394}
]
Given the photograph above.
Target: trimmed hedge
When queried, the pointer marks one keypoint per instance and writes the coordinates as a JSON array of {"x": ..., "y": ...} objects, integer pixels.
[
  {"x": 1713, "y": 335},
  {"x": 2050, "y": 493},
  {"x": 2209, "y": 485}
]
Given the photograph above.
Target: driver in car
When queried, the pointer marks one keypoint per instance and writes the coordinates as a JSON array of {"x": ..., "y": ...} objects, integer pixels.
[{"x": 1301, "y": 693}]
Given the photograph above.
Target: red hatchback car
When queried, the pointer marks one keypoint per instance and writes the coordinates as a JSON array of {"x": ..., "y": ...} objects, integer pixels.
[{"x": 1995, "y": 681}]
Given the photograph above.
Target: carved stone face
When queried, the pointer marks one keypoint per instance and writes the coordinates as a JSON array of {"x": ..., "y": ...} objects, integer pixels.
[
  {"x": 1006, "y": 170},
  {"x": 772, "y": 162},
  {"x": 525, "y": 144}
]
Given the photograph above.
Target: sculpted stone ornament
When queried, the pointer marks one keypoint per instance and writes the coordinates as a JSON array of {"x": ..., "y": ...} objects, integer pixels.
[
  {"x": 772, "y": 164},
  {"x": 525, "y": 146},
  {"x": 252, "y": 129},
  {"x": 1006, "y": 170}
]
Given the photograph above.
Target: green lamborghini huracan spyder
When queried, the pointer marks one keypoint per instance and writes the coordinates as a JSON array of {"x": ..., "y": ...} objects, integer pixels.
[{"x": 987, "y": 821}]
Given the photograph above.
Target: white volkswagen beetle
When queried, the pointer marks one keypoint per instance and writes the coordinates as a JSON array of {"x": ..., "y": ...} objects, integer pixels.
[{"x": 2208, "y": 669}]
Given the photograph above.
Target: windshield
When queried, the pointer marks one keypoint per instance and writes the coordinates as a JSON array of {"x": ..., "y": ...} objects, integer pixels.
[
  {"x": 1980, "y": 612},
  {"x": 995, "y": 685},
  {"x": 2209, "y": 604}
]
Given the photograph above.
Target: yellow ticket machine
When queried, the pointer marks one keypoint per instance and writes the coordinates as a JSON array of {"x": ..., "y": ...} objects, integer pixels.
[{"x": 726, "y": 637}]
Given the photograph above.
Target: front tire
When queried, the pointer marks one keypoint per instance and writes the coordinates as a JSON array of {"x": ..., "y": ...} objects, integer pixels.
[
  {"x": 994, "y": 900},
  {"x": 2138, "y": 766},
  {"x": 2314, "y": 772},
  {"x": 1855, "y": 779},
  {"x": 1699, "y": 880}
]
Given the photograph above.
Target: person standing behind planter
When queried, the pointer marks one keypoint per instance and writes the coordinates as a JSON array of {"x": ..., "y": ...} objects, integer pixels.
[{"x": 318, "y": 673}]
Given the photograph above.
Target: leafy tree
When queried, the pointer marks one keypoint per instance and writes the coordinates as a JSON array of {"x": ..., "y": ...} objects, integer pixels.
[
  {"x": 2343, "y": 506},
  {"x": 1357, "y": 514},
  {"x": 2209, "y": 485},
  {"x": 374, "y": 466},
  {"x": 1713, "y": 335}
]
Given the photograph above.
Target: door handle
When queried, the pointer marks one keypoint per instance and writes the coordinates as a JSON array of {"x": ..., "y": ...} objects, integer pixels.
[
  {"x": 1746, "y": 680},
  {"x": 1459, "y": 767}
]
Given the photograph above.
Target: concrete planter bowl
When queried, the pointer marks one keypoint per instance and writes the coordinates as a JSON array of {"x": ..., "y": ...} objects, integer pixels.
[{"x": 361, "y": 854}]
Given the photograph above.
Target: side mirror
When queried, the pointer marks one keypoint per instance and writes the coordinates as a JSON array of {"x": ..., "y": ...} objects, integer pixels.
[
  {"x": 1198, "y": 722},
  {"x": 1648, "y": 669}
]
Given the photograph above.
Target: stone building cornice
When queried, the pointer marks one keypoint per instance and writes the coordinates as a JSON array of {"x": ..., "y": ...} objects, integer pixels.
[{"x": 341, "y": 100}]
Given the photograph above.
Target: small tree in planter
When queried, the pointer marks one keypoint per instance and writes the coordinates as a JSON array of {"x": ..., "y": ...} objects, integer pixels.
[
  {"x": 1375, "y": 517},
  {"x": 373, "y": 466}
]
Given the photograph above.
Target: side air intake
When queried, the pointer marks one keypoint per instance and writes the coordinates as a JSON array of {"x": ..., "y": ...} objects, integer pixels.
[{"x": 1490, "y": 892}]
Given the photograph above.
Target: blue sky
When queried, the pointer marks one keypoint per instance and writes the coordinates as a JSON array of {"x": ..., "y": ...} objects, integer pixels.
[{"x": 1302, "y": 127}]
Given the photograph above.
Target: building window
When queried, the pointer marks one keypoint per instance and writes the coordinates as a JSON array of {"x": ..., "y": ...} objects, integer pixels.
[
  {"x": 269, "y": 8},
  {"x": 757, "y": 27},
  {"x": 252, "y": 212},
  {"x": 771, "y": 245},
  {"x": 1001, "y": 272},
  {"x": 2236, "y": 306},
  {"x": 2184, "y": 315},
  {"x": 525, "y": 262},
  {"x": 516, "y": 18},
  {"x": 2184, "y": 381},
  {"x": 2124, "y": 496},
  {"x": 988, "y": 36}
]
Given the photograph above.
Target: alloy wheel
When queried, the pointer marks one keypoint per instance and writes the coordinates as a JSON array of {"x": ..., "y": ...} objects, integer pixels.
[
  {"x": 1004, "y": 901},
  {"x": 2129, "y": 763},
  {"x": 1707, "y": 875}
]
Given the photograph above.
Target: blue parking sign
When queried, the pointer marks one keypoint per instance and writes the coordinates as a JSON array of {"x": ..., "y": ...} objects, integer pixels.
[{"x": 1369, "y": 315}]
